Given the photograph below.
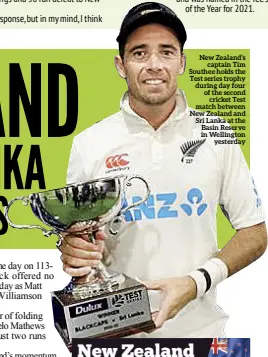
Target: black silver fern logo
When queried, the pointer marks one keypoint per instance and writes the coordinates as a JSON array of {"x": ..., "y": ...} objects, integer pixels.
[
  {"x": 118, "y": 300},
  {"x": 190, "y": 148}
]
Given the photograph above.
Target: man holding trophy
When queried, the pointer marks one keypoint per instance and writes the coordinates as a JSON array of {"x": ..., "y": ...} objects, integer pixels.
[{"x": 168, "y": 242}]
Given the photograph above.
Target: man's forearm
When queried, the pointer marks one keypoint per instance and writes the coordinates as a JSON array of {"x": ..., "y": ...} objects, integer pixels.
[{"x": 246, "y": 246}]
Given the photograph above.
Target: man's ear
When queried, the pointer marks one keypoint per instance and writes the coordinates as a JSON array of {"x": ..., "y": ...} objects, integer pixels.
[
  {"x": 120, "y": 66},
  {"x": 183, "y": 63}
]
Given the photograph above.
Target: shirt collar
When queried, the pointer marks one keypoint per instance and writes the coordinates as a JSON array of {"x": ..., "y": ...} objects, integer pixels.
[{"x": 178, "y": 113}]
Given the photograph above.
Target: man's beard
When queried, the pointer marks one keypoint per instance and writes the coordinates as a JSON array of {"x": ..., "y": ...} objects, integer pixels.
[{"x": 153, "y": 98}]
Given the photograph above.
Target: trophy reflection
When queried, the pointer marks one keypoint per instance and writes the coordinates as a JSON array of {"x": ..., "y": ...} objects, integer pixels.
[{"x": 103, "y": 303}]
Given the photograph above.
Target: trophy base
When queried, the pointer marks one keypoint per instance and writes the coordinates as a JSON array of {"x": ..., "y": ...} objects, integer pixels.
[{"x": 118, "y": 313}]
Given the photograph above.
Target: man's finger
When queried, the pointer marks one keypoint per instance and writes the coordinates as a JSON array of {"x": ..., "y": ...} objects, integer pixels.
[
  {"x": 80, "y": 243},
  {"x": 76, "y": 272},
  {"x": 80, "y": 253},
  {"x": 79, "y": 227},
  {"x": 100, "y": 245},
  {"x": 77, "y": 263},
  {"x": 100, "y": 235},
  {"x": 154, "y": 316},
  {"x": 163, "y": 313},
  {"x": 153, "y": 285}
]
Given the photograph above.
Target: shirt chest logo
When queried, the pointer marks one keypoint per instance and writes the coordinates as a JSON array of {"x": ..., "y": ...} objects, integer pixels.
[
  {"x": 189, "y": 150},
  {"x": 117, "y": 162},
  {"x": 167, "y": 205}
]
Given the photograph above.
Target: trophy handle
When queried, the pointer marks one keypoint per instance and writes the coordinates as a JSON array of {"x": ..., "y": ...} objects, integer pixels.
[
  {"x": 25, "y": 200},
  {"x": 128, "y": 183},
  {"x": 116, "y": 222}
]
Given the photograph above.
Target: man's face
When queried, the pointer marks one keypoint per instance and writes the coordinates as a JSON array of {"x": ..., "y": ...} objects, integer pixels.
[{"x": 151, "y": 64}]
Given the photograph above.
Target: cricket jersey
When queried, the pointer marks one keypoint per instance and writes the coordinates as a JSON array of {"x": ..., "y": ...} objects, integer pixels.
[{"x": 190, "y": 172}]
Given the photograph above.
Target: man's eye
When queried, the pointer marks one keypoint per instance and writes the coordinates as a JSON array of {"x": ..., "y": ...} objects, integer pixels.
[
  {"x": 168, "y": 53},
  {"x": 139, "y": 54}
]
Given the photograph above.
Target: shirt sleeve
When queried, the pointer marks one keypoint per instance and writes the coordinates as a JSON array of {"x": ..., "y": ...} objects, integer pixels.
[
  {"x": 239, "y": 199},
  {"x": 75, "y": 171}
]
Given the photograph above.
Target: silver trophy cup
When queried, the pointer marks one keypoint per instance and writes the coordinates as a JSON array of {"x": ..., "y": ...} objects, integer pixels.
[{"x": 103, "y": 303}]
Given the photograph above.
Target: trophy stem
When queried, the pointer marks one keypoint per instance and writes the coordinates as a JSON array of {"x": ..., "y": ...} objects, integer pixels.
[
  {"x": 102, "y": 271},
  {"x": 98, "y": 273},
  {"x": 100, "y": 280}
]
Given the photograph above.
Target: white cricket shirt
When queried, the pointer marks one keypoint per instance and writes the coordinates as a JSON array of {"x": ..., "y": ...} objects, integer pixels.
[{"x": 174, "y": 232}]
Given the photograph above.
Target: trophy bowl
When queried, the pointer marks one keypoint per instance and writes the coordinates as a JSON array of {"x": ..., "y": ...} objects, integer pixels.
[{"x": 104, "y": 303}]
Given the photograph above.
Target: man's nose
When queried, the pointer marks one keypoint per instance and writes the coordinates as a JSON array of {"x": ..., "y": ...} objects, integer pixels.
[{"x": 154, "y": 62}]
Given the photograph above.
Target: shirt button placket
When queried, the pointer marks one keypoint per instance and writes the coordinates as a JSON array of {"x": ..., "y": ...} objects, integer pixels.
[{"x": 157, "y": 151}]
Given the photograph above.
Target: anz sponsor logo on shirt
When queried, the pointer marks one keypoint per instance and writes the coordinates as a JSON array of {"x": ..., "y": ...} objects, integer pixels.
[{"x": 166, "y": 205}]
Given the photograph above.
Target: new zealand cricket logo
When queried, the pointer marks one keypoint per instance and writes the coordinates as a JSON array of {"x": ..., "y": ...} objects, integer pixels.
[{"x": 189, "y": 150}]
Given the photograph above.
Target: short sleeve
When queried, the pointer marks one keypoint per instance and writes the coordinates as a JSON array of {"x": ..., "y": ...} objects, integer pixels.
[{"x": 239, "y": 198}]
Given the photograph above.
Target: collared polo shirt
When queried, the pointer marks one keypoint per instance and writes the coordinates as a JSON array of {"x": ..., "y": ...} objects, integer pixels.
[{"x": 189, "y": 174}]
